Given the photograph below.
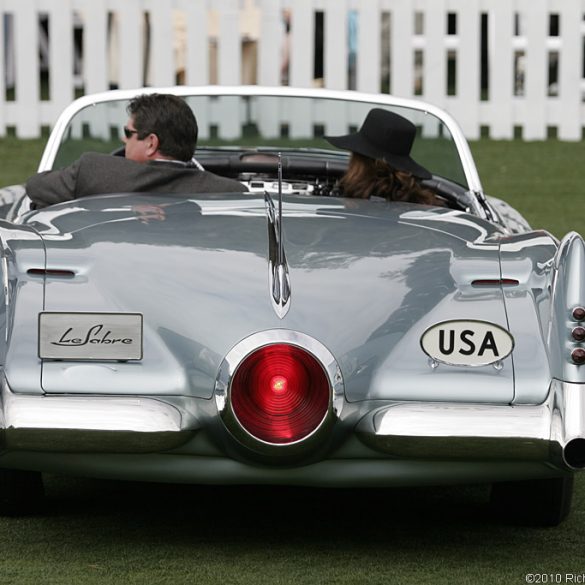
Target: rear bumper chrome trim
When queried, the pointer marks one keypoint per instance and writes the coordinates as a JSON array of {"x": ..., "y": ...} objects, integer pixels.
[
  {"x": 478, "y": 431},
  {"x": 117, "y": 424}
]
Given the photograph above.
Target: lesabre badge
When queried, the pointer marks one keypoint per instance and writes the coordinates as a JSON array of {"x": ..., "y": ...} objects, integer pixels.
[{"x": 90, "y": 336}]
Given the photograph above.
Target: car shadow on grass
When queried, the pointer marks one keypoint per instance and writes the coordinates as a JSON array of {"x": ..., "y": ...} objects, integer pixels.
[
  {"x": 158, "y": 533},
  {"x": 253, "y": 513}
]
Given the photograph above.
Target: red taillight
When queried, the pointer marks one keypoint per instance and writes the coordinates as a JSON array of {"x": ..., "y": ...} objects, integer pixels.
[
  {"x": 578, "y": 356},
  {"x": 495, "y": 282},
  {"x": 51, "y": 272},
  {"x": 280, "y": 393}
]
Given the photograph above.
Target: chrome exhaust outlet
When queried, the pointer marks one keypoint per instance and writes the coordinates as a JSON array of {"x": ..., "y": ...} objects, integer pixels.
[
  {"x": 574, "y": 453},
  {"x": 568, "y": 422}
]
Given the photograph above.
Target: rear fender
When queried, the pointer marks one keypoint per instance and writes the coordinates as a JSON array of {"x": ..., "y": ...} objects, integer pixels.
[
  {"x": 551, "y": 279},
  {"x": 528, "y": 260},
  {"x": 568, "y": 292},
  {"x": 22, "y": 261},
  {"x": 11, "y": 199}
]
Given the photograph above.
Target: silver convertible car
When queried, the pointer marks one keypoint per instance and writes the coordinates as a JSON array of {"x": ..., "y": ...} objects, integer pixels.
[{"x": 288, "y": 335}]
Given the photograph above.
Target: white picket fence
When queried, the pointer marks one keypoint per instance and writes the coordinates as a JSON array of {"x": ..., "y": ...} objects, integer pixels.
[{"x": 501, "y": 67}]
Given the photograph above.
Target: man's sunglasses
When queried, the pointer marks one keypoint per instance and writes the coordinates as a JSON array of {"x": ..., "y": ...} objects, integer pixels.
[{"x": 128, "y": 133}]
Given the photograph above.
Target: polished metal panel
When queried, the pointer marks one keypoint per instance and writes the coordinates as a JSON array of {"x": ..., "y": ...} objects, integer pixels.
[
  {"x": 528, "y": 258},
  {"x": 91, "y": 423},
  {"x": 5, "y": 284},
  {"x": 22, "y": 249},
  {"x": 90, "y": 336},
  {"x": 178, "y": 272},
  {"x": 369, "y": 278},
  {"x": 480, "y": 431}
]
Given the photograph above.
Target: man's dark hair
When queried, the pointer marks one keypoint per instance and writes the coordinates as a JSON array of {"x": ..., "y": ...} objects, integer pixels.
[{"x": 170, "y": 118}]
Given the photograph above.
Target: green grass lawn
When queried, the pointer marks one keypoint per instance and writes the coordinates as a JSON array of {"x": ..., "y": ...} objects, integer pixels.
[
  {"x": 101, "y": 532},
  {"x": 543, "y": 180},
  {"x": 129, "y": 533},
  {"x": 20, "y": 159}
]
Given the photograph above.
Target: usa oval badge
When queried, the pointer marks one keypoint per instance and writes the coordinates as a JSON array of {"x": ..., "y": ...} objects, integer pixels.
[{"x": 467, "y": 342}]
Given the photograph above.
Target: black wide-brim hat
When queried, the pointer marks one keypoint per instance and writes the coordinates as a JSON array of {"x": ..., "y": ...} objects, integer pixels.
[{"x": 387, "y": 136}]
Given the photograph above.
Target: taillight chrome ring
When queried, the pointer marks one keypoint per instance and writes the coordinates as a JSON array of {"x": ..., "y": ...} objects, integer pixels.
[{"x": 240, "y": 354}]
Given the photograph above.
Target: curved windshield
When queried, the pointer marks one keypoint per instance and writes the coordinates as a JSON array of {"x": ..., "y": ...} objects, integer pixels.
[{"x": 275, "y": 121}]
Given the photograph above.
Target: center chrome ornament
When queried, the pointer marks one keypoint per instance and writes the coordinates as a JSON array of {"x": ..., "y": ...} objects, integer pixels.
[{"x": 467, "y": 342}]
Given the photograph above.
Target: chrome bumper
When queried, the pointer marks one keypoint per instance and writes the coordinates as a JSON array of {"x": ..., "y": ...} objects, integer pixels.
[
  {"x": 103, "y": 424},
  {"x": 553, "y": 431}
]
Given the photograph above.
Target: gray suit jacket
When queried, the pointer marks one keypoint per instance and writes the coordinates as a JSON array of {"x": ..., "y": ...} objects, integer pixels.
[{"x": 100, "y": 174}]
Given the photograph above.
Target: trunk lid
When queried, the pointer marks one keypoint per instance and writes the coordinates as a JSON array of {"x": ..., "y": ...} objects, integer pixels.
[{"x": 367, "y": 279}]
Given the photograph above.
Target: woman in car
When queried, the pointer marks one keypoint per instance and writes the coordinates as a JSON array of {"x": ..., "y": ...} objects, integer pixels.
[{"x": 380, "y": 164}]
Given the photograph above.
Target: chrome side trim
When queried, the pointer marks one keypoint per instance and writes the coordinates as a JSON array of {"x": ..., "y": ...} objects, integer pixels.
[
  {"x": 469, "y": 431},
  {"x": 235, "y": 357},
  {"x": 89, "y": 424},
  {"x": 278, "y": 274},
  {"x": 4, "y": 251},
  {"x": 5, "y": 284}
]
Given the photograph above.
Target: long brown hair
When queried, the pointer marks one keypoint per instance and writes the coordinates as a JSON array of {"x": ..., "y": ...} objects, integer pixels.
[{"x": 366, "y": 177}]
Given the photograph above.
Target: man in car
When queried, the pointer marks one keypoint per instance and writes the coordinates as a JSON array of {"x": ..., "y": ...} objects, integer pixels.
[{"x": 160, "y": 139}]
